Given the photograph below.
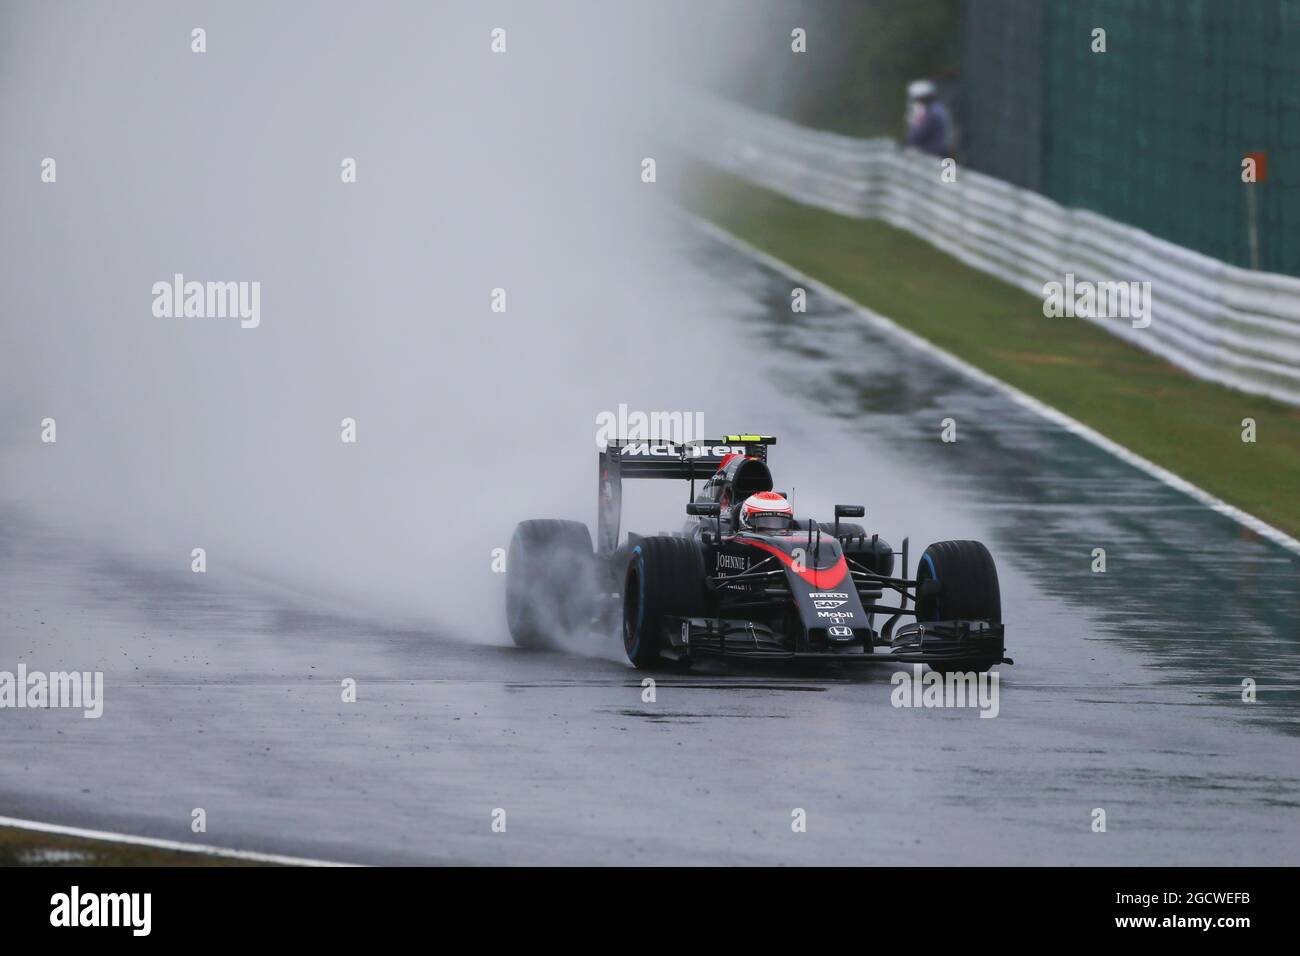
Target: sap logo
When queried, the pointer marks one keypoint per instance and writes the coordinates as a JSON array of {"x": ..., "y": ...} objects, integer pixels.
[
  {"x": 828, "y": 600},
  {"x": 732, "y": 562}
]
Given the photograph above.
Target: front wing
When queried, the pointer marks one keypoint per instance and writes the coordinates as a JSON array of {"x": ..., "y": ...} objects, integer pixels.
[{"x": 936, "y": 643}]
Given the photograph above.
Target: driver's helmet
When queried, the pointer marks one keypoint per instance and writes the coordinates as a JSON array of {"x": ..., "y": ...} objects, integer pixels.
[{"x": 766, "y": 511}]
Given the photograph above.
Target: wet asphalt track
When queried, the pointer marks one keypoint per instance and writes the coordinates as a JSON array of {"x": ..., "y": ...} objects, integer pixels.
[{"x": 1125, "y": 694}]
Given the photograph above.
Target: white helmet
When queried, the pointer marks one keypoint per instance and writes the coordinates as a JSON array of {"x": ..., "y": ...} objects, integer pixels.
[
  {"x": 766, "y": 511},
  {"x": 920, "y": 90}
]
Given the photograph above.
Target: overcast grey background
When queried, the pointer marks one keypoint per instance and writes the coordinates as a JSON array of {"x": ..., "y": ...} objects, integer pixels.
[{"x": 476, "y": 171}]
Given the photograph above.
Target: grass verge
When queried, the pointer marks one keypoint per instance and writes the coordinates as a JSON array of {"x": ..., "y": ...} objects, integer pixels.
[
  {"x": 1191, "y": 427},
  {"x": 20, "y": 847}
]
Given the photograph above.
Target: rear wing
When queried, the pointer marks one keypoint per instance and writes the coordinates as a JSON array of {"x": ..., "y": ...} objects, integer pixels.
[{"x": 634, "y": 458}]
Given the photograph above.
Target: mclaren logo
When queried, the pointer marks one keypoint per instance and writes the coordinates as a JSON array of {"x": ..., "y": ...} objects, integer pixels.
[
  {"x": 828, "y": 600},
  {"x": 646, "y": 449}
]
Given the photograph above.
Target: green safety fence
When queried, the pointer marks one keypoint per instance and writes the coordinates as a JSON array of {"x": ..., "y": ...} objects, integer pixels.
[{"x": 1151, "y": 132}]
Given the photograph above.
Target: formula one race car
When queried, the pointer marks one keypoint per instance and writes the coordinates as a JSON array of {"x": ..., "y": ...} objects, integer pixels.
[{"x": 747, "y": 577}]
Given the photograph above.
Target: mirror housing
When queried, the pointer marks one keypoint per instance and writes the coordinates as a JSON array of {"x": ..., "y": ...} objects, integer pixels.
[
  {"x": 847, "y": 511},
  {"x": 703, "y": 509}
]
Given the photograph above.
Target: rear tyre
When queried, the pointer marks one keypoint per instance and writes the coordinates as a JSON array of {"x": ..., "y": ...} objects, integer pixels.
[
  {"x": 550, "y": 582},
  {"x": 967, "y": 590},
  {"x": 664, "y": 581}
]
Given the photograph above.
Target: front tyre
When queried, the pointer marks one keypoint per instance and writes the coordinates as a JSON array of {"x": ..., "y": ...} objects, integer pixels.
[
  {"x": 664, "y": 581},
  {"x": 550, "y": 582},
  {"x": 964, "y": 588}
]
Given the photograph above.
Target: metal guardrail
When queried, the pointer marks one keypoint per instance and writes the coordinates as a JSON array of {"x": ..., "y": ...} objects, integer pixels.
[{"x": 1220, "y": 322}]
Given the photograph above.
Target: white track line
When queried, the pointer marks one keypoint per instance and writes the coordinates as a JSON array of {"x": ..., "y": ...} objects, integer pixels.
[
  {"x": 1261, "y": 528},
  {"x": 199, "y": 848}
]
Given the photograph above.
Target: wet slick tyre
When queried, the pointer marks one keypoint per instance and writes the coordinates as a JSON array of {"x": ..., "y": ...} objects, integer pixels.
[
  {"x": 965, "y": 589},
  {"x": 550, "y": 582},
  {"x": 967, "y": 583},
  {"x": 665, "y": 579}
]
